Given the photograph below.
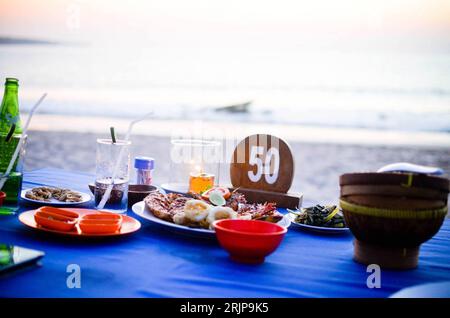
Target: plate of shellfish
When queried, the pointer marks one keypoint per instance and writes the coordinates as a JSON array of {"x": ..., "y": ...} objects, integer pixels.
[
  {"x": 194, "y": 214},
  {"x": 54, "y": 196}
]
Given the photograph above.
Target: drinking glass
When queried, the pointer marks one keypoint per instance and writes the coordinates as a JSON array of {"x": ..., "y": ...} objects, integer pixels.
[
  {"x": 13, "y": 183},
  {"x": 107, "y": 156}
]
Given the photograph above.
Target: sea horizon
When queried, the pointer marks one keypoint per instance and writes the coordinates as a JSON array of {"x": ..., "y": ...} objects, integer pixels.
[
  {"x": 223, "y": 130},
  {"x": 331, "y": 88}
]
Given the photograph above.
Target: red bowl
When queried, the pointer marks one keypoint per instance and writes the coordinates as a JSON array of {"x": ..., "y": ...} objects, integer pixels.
[
  {"x": 249, "y": 241},
  {"x": 2, "y": 197}
]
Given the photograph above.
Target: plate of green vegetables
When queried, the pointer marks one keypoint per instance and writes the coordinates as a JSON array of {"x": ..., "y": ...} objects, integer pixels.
[{"x": 326, "y": 219}]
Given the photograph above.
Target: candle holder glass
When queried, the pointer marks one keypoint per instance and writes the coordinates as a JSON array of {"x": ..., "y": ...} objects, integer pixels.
[{"x": 194, "y": 165}]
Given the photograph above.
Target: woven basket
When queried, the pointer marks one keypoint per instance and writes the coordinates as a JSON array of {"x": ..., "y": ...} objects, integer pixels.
[{"x": 392, "y": 214}]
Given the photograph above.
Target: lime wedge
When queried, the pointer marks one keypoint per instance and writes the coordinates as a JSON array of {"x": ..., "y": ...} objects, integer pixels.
[{"x": 217, "y": 198}]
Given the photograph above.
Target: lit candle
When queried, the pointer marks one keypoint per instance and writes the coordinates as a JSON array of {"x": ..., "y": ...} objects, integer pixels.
[{"x": 200, "y": 181}]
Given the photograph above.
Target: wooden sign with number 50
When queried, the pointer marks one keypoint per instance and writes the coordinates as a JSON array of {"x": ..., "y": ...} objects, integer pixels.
[
  {"x": 262, "y": 162},
  {"x": 268, "y": 167}
]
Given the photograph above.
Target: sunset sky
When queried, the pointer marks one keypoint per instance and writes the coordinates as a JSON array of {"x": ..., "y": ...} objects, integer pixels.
[{"x": 223, "y": 21}]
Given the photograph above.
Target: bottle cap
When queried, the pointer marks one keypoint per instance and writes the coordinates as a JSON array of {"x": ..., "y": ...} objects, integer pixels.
[{"x": 145, "y": 163}]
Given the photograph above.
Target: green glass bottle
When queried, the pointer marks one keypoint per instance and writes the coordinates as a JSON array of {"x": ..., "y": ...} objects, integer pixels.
[
  {"x": 10, "y": 132},
  {"x": 9, "y": 111}
]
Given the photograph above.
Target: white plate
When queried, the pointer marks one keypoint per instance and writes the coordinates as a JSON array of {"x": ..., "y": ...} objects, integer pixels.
[
  {"x": 178, "y": 188},
  {"x": 85, "y": 197},
  {"x": 141, "y": 209},
  {"x": 318, "y": 229},
  {"x": 430, "y": 290}
]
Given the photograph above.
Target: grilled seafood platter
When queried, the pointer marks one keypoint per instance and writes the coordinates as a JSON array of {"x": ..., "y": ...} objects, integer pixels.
[{"x": 200, "y": 211}]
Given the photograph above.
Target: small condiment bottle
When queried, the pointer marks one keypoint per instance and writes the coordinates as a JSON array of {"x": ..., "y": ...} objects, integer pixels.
[{"x": 144, "y": 170}]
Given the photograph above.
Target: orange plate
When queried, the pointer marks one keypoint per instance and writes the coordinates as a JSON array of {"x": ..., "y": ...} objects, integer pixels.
[
  {"x": 99, "y": 226},
  {"x": 100, "y": 223},
  {"x": 129, "y": 224},
  {"x": 58, "y": 211},
  {"x": 54, "y": 221},
  {"x": 106, "y": 216}
]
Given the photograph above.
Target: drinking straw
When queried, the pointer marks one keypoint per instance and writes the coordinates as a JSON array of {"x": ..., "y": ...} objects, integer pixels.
[
  {"x": 107, "y": 193},
  {"x": 113, "y": 135},
  {"x": 10, "y": 133},
  {"x": 20, "y": 144}
]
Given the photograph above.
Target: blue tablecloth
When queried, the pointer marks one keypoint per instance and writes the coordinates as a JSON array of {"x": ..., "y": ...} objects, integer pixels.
[{"x": 157, "y": 263}]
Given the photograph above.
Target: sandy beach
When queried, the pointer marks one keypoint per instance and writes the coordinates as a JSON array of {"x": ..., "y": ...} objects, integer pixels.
[{"x": 318, "y": 162}]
